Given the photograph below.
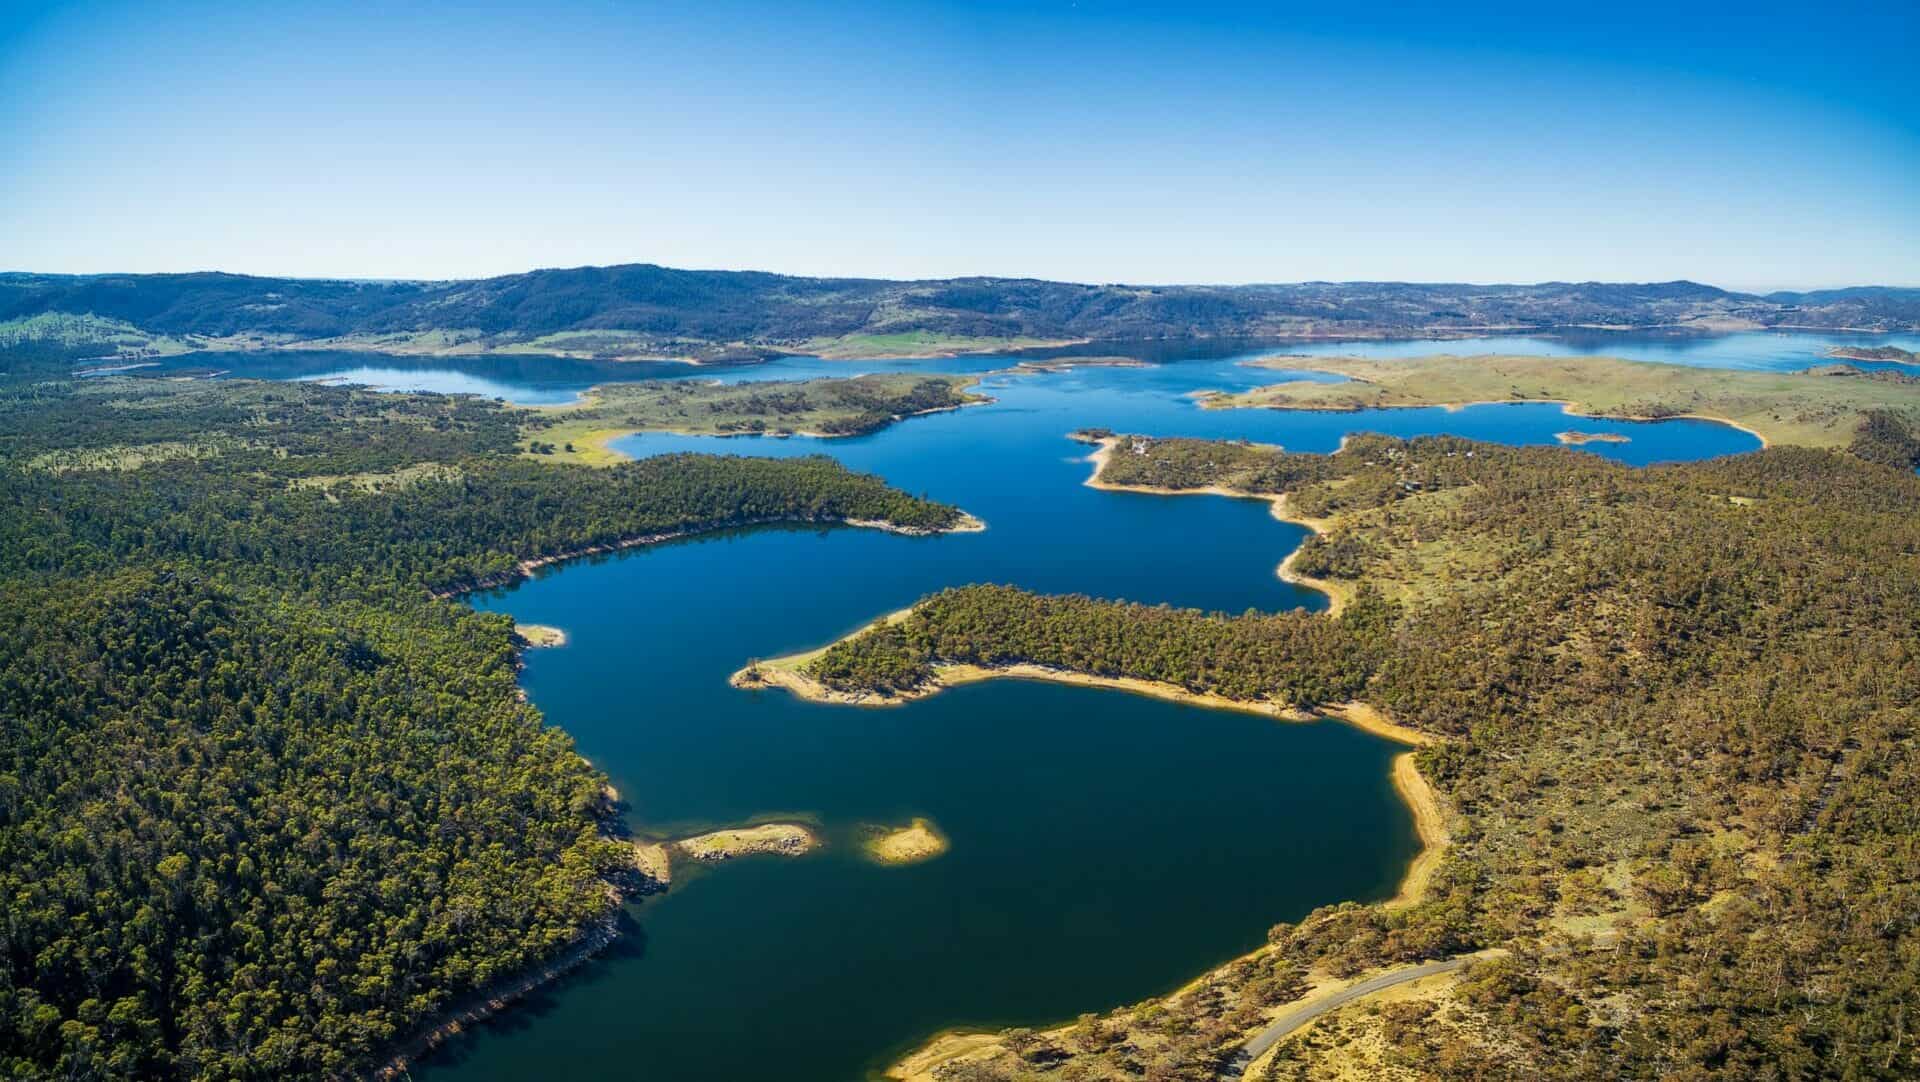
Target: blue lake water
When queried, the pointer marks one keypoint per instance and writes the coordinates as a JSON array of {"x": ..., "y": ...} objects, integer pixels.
[
  {"x": 535, "y": 380},
  {"x": 1104, "y": 847}
]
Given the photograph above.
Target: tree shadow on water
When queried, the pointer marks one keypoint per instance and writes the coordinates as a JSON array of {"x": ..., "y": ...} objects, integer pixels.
[{"x": 521, "y": 1014}]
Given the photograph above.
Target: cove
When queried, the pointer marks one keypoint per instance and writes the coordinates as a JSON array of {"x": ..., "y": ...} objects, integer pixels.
[{"x": 1105, "y": 847}]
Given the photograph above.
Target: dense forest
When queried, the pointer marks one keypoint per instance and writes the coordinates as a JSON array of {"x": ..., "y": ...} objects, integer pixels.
[
  {"x": 267, "y": 803},
  {"x": 723, "y": 314},
  {"x": 1679, "y": 709},
  {"x": 1291, "y": 658}
]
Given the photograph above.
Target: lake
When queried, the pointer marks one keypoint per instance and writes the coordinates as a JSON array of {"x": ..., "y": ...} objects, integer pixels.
[
  {"x": 536, "y": 380},
  {"x": 1105, "y": 847}
]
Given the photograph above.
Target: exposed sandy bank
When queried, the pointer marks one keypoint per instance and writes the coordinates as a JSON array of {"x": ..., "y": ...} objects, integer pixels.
[
  {"x": 917, "y": 841},
  {"x": 534, "y": 636},
  {"x": 653, "y": 862}
]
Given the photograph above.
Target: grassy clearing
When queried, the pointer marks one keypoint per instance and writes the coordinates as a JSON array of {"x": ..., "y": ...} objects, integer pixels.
[
  {"x": 1822, "y": 407},
  {"x": 601, "y": 345},
  {"x": 107, "y": 337},
  {"x": 386, "y": 481},
  {"x": 126, "y": 456},
  {"x": 918, "y": 344},
  {"x": 440, "y": 342}
]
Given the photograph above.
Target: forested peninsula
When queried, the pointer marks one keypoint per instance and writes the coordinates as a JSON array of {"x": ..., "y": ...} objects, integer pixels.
[
  {"x": 641, "y": 311},
  {"x": 269, "y": 802},
  {"x": 816, "y": 407},
  {"x": 1673, "y": 717}
]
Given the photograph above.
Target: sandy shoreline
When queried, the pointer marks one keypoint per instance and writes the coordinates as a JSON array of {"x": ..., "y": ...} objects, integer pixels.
[
  {"x": 1414, "y": 790},
  {"x": 651, "y": 858},
  {"x": 786, "y": 672},
  {"x": 1419, "y": 796},
  {"x": 1429, "y": 822},
  {"x": 954, "y": 1045}
]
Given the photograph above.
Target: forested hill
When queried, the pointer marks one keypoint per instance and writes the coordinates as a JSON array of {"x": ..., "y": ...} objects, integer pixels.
[{"x": 642, "y": 309}]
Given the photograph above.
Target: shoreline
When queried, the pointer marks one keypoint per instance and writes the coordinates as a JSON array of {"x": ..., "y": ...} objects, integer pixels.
[
  {"x": 934, "y": 354},
  {"x": 524, "y": 569},
  {"x": 1413, "y": 789},
  {"x": 1338, "y": 594},
  {"x": 786, "y": 673},
  {"x": 1429, "y": 820},
  {"x": 1429, "y": 825},
  {"x": 1423, "y": 803},
  {"x": 239, "y": 344},
  {"x": 594, "y": 447},
  {"x": 1218, "y": 400},
  {"x": 480, "y": 1005}
]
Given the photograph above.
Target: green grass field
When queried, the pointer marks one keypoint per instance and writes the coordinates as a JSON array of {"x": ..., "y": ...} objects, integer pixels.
[{"x": 108, "y": 337}]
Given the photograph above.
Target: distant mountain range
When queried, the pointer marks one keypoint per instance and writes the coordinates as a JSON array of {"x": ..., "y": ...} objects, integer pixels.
[{"x": 641, "y": 310}]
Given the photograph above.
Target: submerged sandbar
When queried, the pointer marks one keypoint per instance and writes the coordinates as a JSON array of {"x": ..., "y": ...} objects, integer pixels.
[{"x": 918, "y": 841}]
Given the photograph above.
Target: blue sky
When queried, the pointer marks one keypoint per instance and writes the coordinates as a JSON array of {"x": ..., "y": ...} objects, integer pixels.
[{"x": 1751, "y": 147}]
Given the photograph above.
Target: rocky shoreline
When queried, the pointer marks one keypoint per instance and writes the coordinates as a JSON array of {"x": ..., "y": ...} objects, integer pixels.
[{"x": 482, "y": 1005}]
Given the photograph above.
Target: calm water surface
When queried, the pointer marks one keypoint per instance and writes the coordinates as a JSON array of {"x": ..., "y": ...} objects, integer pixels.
[
  {"x": 1105, "y": 847},
  {"x": 536, "y": 380}
]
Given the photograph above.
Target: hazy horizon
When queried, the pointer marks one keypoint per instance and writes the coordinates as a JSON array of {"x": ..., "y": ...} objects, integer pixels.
[
  {"x": 1755, "y": 148},
  {"x": 386, "y": 280}
]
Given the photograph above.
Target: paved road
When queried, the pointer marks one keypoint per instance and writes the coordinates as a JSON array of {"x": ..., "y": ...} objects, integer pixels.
[{"x": 1287, "y": 1023}]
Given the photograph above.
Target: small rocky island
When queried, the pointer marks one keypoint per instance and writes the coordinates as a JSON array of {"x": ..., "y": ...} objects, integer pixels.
[
  {"x": 1576, "y": 438},
  {"x": 655, "y": 859},
  {"x": 534, "y": 636},
  {"x": 1874, "y": 353}
]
